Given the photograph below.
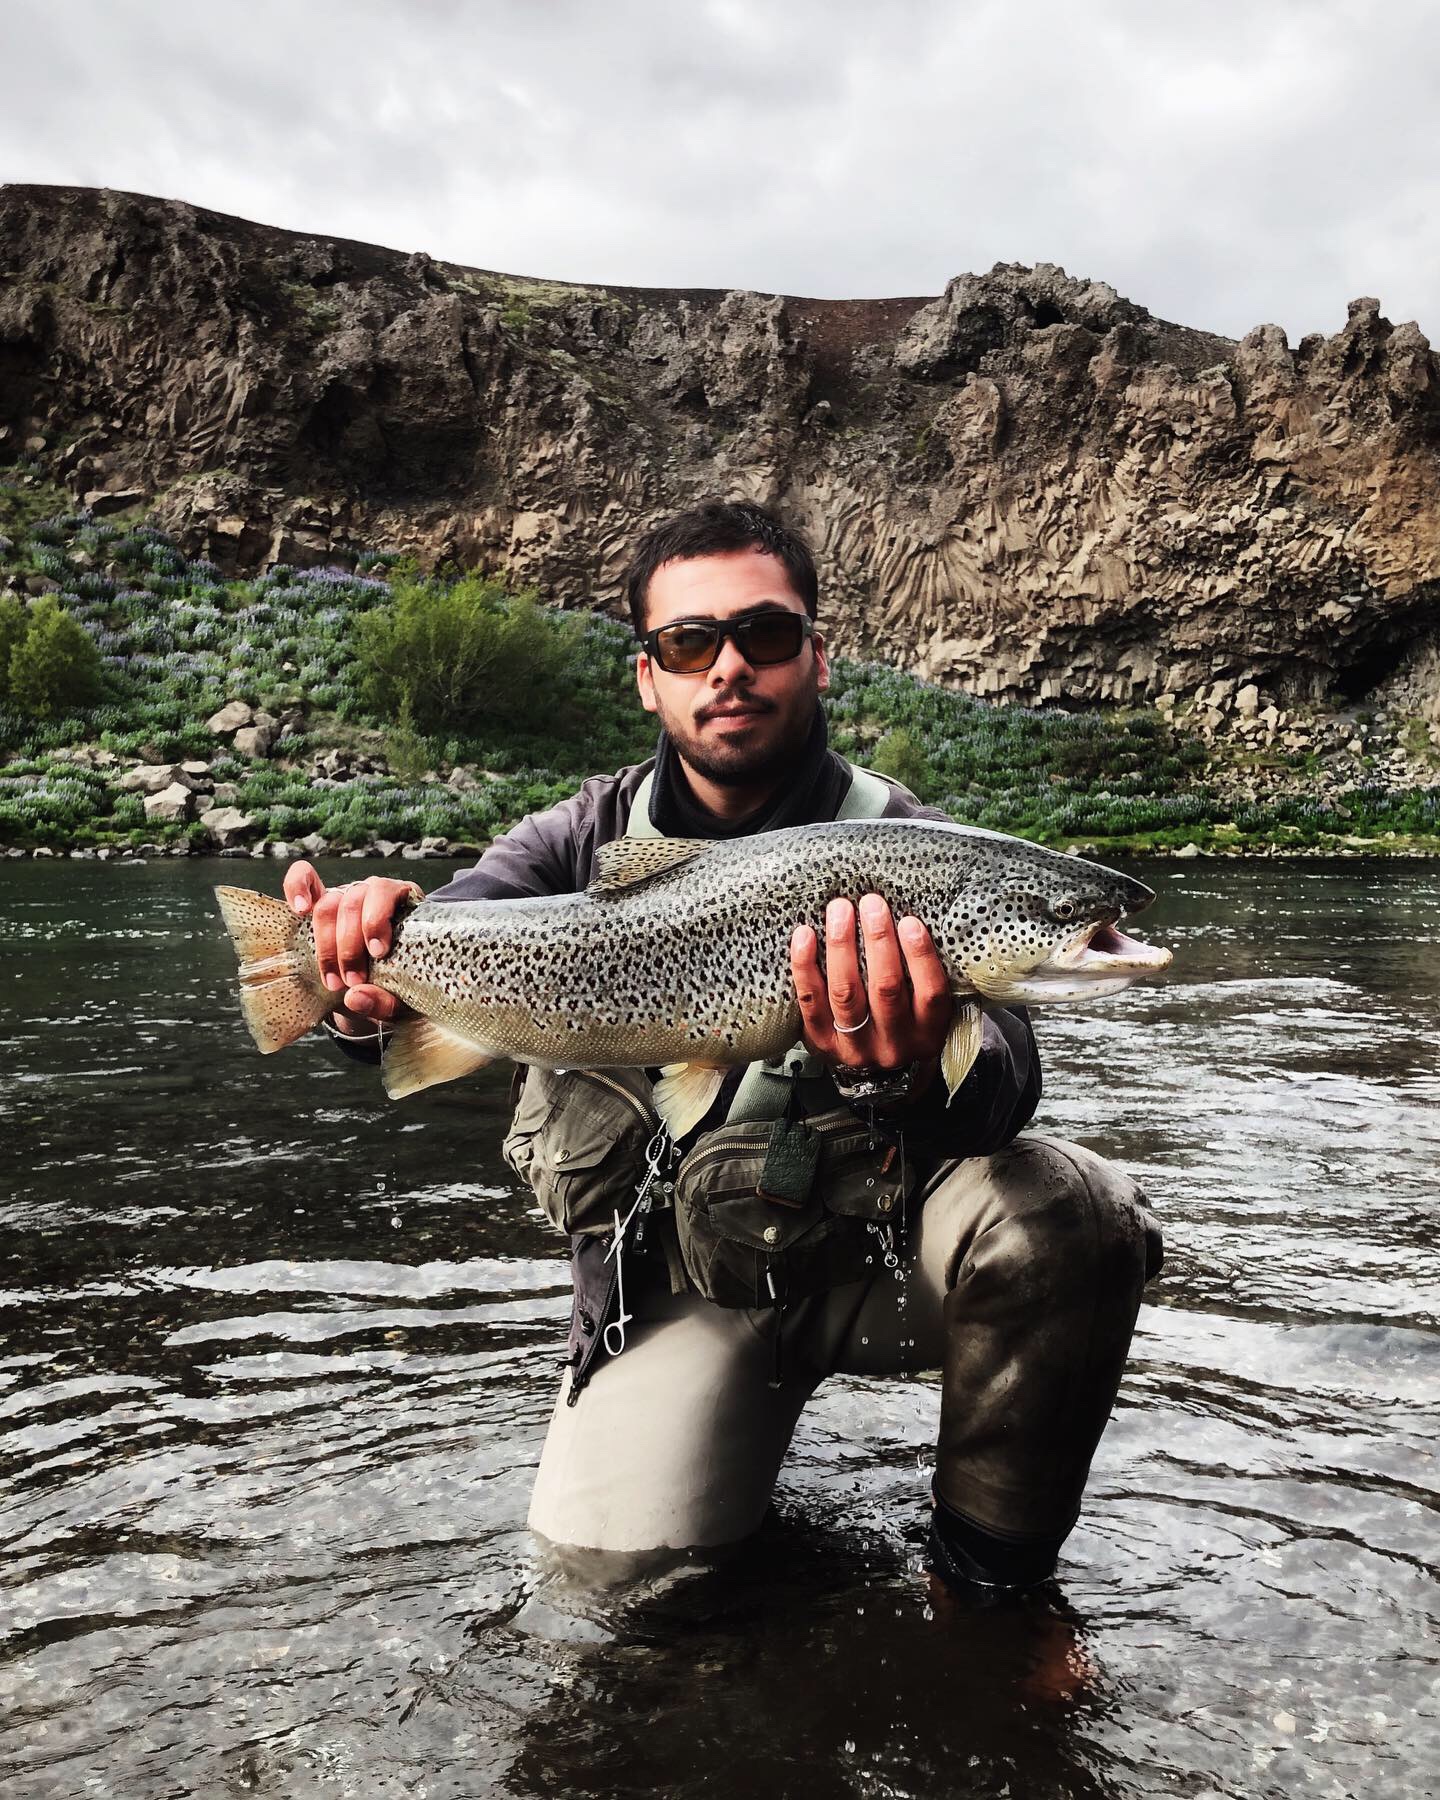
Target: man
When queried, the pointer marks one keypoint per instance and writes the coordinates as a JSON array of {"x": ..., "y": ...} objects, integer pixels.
[{"x": 1025, "y": 1257}]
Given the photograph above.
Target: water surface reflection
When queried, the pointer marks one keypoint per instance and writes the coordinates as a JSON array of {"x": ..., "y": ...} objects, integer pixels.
[{"x": 277, "y": 1360}]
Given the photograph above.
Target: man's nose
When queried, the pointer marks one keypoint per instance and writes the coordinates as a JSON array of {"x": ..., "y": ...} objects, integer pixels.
[{"x": 730, "y": 666}]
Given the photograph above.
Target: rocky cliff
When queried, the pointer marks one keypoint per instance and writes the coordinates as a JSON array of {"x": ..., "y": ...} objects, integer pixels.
[{"x": 1027, "y": 487}]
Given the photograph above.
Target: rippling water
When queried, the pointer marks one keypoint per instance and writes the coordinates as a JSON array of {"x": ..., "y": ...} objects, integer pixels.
[{"x": 277, "y": 1359}]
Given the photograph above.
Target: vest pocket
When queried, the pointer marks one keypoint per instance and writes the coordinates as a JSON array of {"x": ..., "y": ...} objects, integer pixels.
[
  {"x": 742, "y": 1248},
  {"x": 578, "y": 1138}
]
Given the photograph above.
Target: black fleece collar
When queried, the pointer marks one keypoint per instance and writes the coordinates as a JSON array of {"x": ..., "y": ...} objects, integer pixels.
[{"x": 812, "y": 793}]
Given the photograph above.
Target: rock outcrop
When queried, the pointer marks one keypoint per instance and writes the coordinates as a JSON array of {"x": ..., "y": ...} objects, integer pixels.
[{"x": 1028, "y": 487}]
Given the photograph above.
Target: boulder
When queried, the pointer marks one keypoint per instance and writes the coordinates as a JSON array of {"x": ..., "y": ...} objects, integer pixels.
[
  {"x": 256, "y": 740},
  {"x": 230, "y": 717},
  {"x": 171, "y": 806},
  {"x": 227, "y": 826},
  {"x": 154, "y": 778},
  {"x": 314, "y": 844},
  {"x": 112, "y": 500}
]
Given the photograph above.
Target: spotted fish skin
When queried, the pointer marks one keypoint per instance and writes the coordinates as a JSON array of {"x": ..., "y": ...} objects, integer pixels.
[{"x": 680, "y": 951}]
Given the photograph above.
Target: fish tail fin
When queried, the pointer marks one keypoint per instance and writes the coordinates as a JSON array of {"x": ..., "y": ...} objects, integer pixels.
[{"x": 282, "y": 994}]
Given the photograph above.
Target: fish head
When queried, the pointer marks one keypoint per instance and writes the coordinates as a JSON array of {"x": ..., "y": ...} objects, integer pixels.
[{"x": 1047, "y": 931}]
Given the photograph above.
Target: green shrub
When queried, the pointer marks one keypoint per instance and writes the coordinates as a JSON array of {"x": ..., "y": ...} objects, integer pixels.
[
  {"x": 468, "y": 655},
  {"x": 55, "y": 667},
  {"x": 12, "y": 630},
  {"x": 405, "y": 750},
  {"x": 901, "y": 758}
]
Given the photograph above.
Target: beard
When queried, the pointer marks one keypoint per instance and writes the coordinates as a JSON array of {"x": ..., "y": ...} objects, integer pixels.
[{"x": 741, "y": 765}]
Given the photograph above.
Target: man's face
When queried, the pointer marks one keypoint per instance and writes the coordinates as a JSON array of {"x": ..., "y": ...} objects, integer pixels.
[{"x": 737, "y": 724}]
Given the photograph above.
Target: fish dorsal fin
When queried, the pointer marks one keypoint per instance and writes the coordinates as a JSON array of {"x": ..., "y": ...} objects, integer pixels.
[{"x": 627, "y": 862}]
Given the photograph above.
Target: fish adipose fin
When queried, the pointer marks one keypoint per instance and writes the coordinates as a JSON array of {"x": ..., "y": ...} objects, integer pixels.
[
  {"x": 962, "y": 1046},
  {"x": 420, "y": 1054},
  {"x": 626, "y": 862},
  {"x": 684, "y": 1094},
  {"x": 282, "y": 994}
]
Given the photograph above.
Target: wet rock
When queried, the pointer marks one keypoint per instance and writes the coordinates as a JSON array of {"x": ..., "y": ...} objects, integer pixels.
[{"x": 314, "y": 844}]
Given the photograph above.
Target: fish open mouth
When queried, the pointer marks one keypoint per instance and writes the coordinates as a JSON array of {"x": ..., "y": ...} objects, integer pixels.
[
  {"x": 1095, "y": 961},
  {"x": 1101, "y": 950}
]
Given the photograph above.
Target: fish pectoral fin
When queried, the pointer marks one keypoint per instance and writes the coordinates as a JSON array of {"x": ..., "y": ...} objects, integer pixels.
[
  {"x": 684, "y": 1094},
  {"x": 420, "y": 1054},
  {"x": 626, "y": 862},
  {"x": 962, "y": 1046}
]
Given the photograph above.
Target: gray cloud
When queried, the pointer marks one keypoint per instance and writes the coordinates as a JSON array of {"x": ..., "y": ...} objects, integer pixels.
[{"x": 1222, "y": 165}]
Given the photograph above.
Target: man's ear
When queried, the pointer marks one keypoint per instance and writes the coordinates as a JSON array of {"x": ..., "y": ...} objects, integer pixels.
[
  {"x": 645, "y": 681},
  {"x": 822, "y": 663}
]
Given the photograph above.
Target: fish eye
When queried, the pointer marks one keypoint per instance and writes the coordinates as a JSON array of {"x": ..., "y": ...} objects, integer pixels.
[{"x": 1063, "y": 909}]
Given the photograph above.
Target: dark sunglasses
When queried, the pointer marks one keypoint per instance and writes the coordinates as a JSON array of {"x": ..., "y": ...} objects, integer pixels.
[{"x": 690, "y": 646}]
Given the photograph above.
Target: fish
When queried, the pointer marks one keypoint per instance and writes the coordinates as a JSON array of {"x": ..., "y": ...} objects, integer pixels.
[{"x": 676, "y": 956}]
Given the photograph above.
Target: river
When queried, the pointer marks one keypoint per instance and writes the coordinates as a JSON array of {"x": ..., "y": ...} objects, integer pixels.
[{"x": 277, "y": 1358}]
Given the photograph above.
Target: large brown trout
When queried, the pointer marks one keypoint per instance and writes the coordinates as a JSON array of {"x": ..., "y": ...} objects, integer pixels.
[{"x": 677, "y": 955}]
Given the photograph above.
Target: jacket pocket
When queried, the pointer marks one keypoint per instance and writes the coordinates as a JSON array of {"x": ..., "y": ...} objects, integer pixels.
[
  {"x": 742, "y": 1248},
  {"x": 578, "y": 1138}
]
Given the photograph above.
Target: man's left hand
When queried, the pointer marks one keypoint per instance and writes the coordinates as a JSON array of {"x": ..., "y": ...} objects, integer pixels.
[{"x": 903, "y": 1008}]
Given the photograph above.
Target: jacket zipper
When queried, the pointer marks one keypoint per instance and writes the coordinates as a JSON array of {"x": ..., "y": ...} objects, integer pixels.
[{"x": 601, "y": 1079}]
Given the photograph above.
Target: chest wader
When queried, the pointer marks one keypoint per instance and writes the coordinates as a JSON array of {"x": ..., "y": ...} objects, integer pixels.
[{"x": 793, "y": 1194}]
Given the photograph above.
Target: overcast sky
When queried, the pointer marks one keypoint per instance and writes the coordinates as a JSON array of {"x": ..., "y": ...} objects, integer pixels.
[{"x": 1223, "y": 162}]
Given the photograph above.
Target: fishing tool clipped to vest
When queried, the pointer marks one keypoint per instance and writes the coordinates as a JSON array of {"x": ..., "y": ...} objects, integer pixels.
[{"x": 659, "y": 1153}]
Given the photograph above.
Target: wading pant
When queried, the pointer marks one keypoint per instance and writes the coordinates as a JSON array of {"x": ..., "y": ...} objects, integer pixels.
[{"x": 1024, "y": 1272}]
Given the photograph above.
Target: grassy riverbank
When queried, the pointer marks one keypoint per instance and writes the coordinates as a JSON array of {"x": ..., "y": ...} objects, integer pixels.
[{"x": 322, "y": 760}]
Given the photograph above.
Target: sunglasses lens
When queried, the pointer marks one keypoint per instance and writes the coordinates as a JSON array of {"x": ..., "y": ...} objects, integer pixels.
[
  {"x": 772, "y": 637},
  {"x": 687, "y": 649}
]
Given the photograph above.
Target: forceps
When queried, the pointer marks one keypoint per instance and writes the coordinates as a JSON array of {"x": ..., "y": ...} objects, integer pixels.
[{"x": 656, "y": 1152}]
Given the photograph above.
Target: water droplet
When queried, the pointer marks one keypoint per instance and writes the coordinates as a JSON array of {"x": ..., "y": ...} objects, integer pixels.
[{"x": 849, "y": 1746}]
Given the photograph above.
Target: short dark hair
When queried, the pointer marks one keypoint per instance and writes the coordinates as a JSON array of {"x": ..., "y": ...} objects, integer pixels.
[{"x": 712, "y": 529}]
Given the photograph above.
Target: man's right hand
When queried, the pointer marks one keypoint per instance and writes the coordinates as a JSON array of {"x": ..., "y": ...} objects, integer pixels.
[{"x": 352, "y": 924}]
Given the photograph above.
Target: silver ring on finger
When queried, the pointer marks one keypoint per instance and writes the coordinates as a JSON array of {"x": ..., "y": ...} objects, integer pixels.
[{"x": 850, "y": 1030}]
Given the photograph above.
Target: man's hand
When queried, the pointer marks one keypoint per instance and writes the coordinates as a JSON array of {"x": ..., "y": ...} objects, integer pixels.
[
  {"x": 352, "y": 925},
  {"x": 903, "y": 1015}
]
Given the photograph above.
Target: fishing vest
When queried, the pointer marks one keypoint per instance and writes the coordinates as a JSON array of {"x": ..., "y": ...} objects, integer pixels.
[{"x": 581, "y": 1139}]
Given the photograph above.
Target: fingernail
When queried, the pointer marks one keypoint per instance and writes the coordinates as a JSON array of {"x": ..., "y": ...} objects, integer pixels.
[
  {"x": 912, "y": 930},
  {"x": 333, "y": 981},
  {"x": 352, "y": 979},
  {"x": 872, "y": 907},
  {"x": 300, "y": 903},
  {"x": 377, "y": 946}
]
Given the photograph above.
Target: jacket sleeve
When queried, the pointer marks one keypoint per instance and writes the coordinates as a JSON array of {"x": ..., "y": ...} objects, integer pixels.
[{"x": 994, "y": 1103}]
